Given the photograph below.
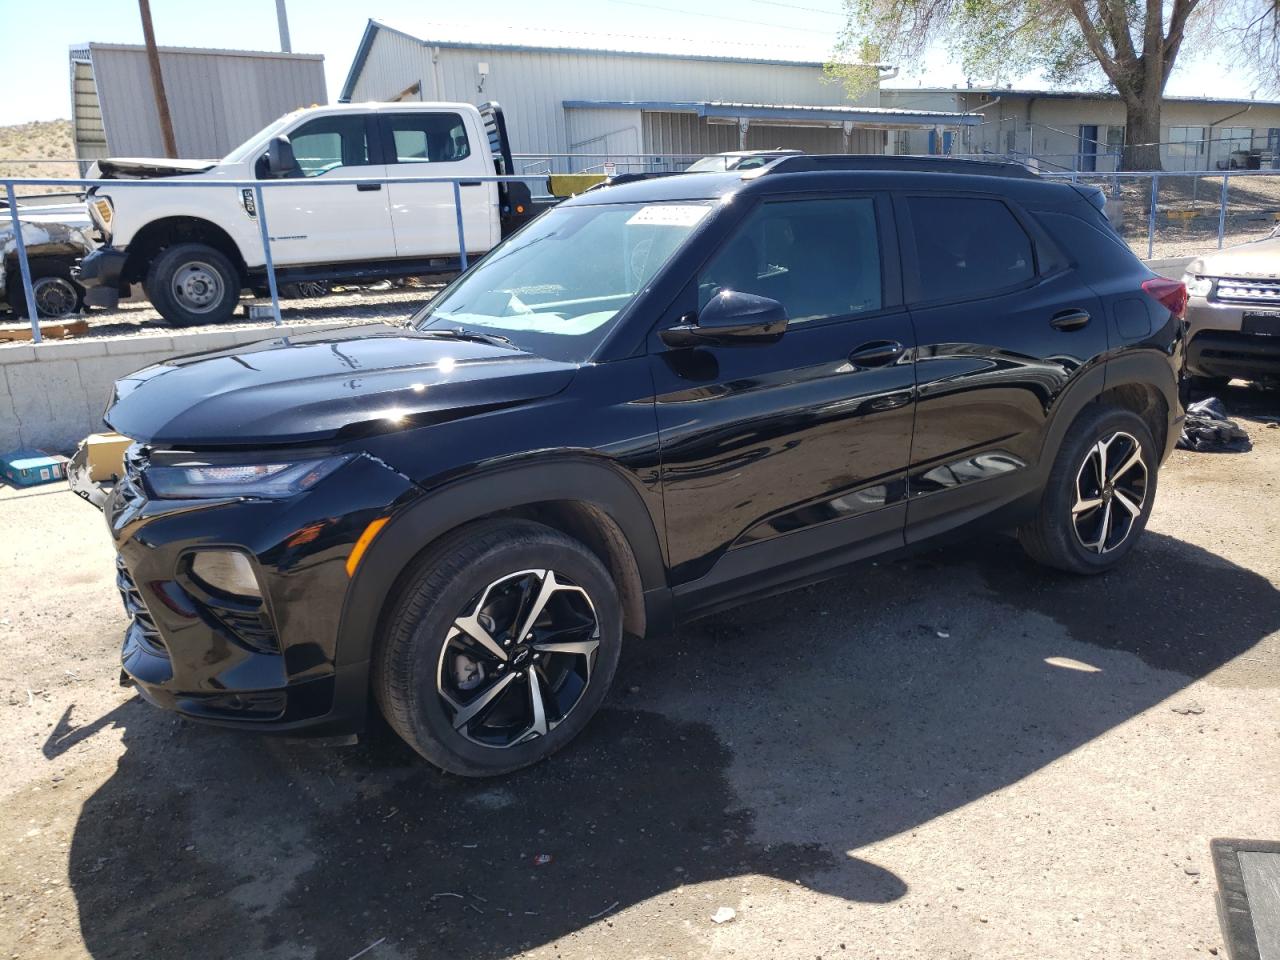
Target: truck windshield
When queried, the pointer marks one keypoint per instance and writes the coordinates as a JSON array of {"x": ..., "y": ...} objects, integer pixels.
[
  {"x": 557, "y": 286},
  {"x": 259, "y": 139}
]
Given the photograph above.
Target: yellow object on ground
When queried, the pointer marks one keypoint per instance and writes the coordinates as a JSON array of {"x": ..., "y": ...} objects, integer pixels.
[
  {"x": 105, "y": 455},
  {"x": 567, "y": 184}
]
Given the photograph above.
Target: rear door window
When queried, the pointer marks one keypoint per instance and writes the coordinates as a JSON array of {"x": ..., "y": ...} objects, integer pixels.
[
  {"x": 968, "y": 247},
  {"x": 819, "y": 258},
  {"x": 427, "y": 137}
]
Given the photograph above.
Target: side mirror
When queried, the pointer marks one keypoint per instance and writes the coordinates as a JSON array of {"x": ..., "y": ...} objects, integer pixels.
[
  {"x": 731, "y": 318},
  {"x": 281, "y": 163}
]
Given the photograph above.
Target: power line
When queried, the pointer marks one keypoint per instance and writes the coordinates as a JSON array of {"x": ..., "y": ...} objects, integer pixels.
[{"x": 798, "y": 6}]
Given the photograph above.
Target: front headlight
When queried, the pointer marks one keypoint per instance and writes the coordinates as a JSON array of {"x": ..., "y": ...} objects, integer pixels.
[
  {"x": 1197, "y": 286},
  {"x": 102, "y": 211},
  {"x": 196, "y": 481}
]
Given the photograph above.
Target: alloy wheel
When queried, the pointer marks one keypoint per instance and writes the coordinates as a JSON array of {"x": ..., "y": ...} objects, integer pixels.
[
  {"x": 518, "y": 659},
  {"x": 1111, "y": 490},
  {"x": 55, "y": 296},
  {"x": 198, "y": 286}
]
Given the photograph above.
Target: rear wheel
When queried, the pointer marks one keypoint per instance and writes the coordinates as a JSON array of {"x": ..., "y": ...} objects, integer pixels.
[
  {"x": 1098, "y": 496},
  {"x": 501, "y": 645},
  {"x": 192, "y": 283}
]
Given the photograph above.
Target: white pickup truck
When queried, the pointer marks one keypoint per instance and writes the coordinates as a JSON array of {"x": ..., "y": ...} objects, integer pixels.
[{"x": 194, "y": 250}]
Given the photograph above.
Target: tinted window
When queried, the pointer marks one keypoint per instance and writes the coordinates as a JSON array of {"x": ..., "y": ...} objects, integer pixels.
[
  {"x": 818, "y": 258},
  {"x": 328, "y": 142},
  {"x": 967, "y": 246},
  {"x": 428, "y": 137}
]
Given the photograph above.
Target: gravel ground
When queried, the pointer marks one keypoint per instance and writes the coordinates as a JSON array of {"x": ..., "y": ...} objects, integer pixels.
[{"x": 955, "y": 755}]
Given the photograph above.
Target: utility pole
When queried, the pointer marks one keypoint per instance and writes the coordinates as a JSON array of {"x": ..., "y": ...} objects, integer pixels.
[
  {"x": 157, "y": 80},
  {"x": 282, "y": 18}
]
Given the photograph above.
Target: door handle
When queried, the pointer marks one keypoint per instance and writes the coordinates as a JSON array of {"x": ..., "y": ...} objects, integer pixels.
[
  {"x": 366, "y": 187},
  {"x": 877, "y": 353},
  {"x": 471, "y": 183},
  {"x": 1070, "y": 320}
]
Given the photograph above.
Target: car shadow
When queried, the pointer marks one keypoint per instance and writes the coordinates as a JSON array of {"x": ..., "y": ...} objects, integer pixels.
[{"x": 778, "y": 739}]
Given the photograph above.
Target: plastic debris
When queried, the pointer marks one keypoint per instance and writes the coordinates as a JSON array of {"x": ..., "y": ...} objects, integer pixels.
[
  {"x": 542, "y": 859},
  {"x": 1208, "y": 429},
  {"x": 724, "y": 915}
]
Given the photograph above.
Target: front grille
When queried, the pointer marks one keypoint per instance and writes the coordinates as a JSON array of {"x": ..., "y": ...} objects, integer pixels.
[
  {"x": 141, "y": 622},
  {"x": 1232, "y": 290}
]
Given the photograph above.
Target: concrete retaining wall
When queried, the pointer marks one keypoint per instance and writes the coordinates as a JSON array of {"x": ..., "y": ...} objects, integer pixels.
[{"x": 53, "y": 394}]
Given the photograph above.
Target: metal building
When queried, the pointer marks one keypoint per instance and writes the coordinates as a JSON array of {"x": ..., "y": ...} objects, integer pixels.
[
  {"x": 217, "y": 98},
  {"x": 569, "y": 107}
]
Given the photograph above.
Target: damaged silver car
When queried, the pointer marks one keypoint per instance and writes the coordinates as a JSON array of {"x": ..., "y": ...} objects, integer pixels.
[{"x": 56, "y": 237}]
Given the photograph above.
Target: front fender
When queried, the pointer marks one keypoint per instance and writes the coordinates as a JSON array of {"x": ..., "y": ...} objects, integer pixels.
[{"x": 426, "y": 519}]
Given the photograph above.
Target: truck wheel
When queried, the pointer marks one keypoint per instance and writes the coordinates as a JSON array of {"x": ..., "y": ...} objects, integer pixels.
[
  {"x": 499, "y": 648},
  {"x": 1099, "y": 494},
  {"x": 192, "y": 283},
  {"x": 57, "y": 295}
]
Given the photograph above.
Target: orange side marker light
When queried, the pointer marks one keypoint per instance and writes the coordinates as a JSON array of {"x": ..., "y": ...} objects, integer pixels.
[{"x": 366, "y": 538}]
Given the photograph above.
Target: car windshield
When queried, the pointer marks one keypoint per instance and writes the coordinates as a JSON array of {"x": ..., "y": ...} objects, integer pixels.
[
  {"x": 715, "y": 164},
  {"x": 557, "y": 287},
  {"x": 259, "y": 139}
]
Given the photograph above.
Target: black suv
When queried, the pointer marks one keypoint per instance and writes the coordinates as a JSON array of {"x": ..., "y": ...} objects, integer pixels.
[{"x": 654, "y": 401}]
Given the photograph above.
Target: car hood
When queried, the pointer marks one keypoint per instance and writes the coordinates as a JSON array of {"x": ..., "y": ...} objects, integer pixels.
[
  {"x": 325, "y": 386},
  {"x": 147, "y": 168},
  {"x": 1258, "y": 260}
]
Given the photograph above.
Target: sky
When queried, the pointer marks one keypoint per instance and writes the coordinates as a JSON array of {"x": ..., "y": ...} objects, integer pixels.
[{"x": 34, "y": 82}]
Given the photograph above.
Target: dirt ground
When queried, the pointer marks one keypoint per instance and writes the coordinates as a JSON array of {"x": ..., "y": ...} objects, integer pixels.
[{"x": 953, "y": 755}]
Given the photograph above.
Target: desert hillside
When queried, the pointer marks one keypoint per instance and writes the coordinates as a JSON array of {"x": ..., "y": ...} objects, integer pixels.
[{"x": 35, "y": 144}]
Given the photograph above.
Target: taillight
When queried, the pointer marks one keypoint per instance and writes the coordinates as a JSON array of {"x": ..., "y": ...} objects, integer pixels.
[{"x": 1171, "y": 294}]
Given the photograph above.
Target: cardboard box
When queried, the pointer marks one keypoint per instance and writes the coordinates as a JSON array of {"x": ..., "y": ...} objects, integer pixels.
[
  {"x": 29, "y": 468},
  {"x": 104, "y": 454}
]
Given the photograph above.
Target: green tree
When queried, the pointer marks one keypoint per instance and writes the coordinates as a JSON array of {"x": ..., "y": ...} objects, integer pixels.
[{"x": 1133, "y": 46}]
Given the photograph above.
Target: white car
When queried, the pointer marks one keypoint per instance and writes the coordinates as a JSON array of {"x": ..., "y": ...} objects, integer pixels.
[{"x": 194, "y": 250}]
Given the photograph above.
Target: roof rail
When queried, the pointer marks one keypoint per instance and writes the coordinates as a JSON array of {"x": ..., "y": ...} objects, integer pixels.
[{"x": 873, "y": 161}]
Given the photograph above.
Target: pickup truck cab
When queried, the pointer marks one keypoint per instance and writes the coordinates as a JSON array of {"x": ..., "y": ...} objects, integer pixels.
[{"x": 194, "y": 250}]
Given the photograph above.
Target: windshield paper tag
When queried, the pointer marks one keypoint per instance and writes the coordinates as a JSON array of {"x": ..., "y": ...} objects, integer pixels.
[{"x": 669, "y": 215}]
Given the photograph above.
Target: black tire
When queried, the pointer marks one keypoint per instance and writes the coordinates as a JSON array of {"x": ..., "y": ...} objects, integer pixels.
[
  {"x": 410, "y": 663},
  {"x": 58, "y": 295},
  {"x": 1054, "y": 537},
  {"x": 181, "y": 276}
]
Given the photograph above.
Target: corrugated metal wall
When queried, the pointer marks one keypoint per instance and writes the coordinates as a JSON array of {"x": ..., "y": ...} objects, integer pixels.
[
  {"x": 532, "y": 85},
  {"x": 684, "y": 133},
  {"x": 217, "y": 99},
  {"x": 86, "y": 113}
]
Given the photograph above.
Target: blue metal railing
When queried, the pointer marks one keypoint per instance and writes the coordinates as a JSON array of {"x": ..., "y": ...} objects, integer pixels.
[{"x": 260, "y": 213}]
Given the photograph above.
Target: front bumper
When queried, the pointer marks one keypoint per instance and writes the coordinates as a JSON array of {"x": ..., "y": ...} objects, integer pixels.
[
  {"x": 1225, "y": 339},
  {"x": 274, "y": 663},
  {"x": 100, "y": 275}
]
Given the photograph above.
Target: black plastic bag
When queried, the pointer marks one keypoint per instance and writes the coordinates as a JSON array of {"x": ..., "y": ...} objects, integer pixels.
[{"x": 1208, "y": 429}]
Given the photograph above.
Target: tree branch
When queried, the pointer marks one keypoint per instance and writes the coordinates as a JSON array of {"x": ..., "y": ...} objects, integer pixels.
[
  {"x": 1118, "y": 77},
  {"x": 1116, "y": 17},
  {"x": 1182, "y": 9}
]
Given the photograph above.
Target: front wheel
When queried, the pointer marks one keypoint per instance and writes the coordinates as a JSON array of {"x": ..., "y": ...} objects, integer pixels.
[
  {"x": 191, "y": 284},
  {"x": 500, "y": 647},
  {"x": 57, "y": 295},
  {"x": 1099, "y": 494}
]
